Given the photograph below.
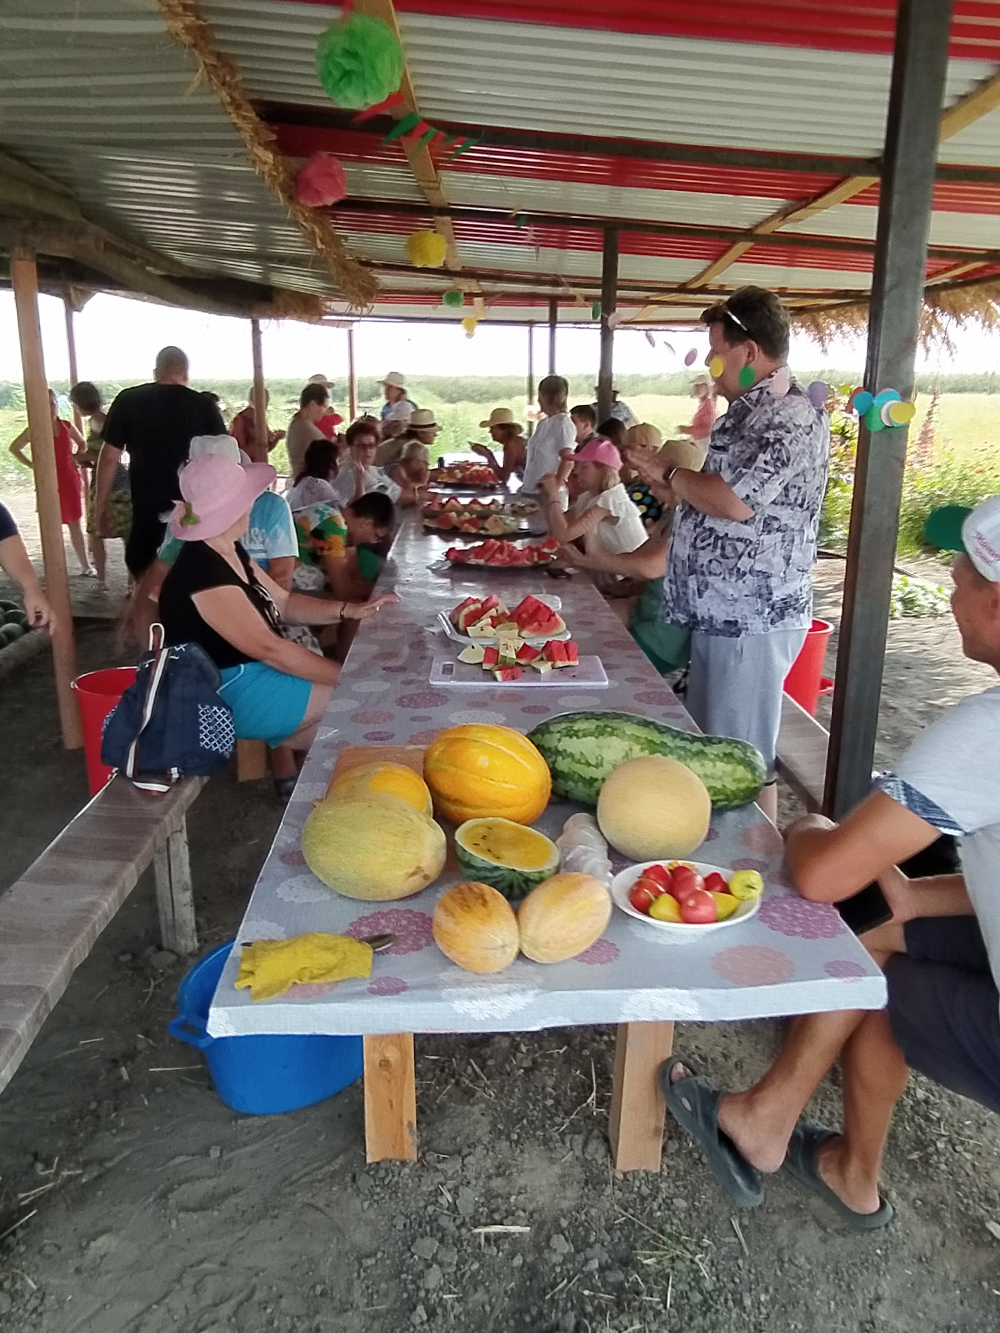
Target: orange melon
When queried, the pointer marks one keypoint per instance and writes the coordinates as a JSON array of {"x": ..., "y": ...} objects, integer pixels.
[
  {"x": 475, "y": 927},
  {"x": 477, "y": 771},
  {"x": 562, "y": 917}
]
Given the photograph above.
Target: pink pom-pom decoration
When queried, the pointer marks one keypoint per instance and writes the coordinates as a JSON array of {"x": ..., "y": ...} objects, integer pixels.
[{"x": 320, "y": 182}]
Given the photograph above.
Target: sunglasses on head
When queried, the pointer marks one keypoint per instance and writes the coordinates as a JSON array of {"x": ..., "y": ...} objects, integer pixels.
[{"x": 736, "y": 320}]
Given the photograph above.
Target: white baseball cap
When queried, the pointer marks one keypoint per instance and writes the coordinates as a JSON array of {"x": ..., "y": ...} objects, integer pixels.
[
  {"x": 974, "y": 531},
  {"x": 395, "y": 380}
]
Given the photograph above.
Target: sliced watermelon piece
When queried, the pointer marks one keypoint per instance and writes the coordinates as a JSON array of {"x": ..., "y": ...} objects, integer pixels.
[
  {"x": 526, "y": 653},
  {"x": 462, "y": 606},
  {"x": 469, "y": 613},
  {"x": 492, "y": 602},
  {"x": 507, "y": 673},
  {"x": 491, "y": 656},
  {"x": 572, "y": 655},
  {"x": 555, "y": 652},
  {"x": 542, "y": 666}
]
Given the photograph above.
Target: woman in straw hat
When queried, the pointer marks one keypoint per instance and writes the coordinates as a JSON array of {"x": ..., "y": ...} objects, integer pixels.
[
  {"x": 506, "y": 432},
  {"x": 217, "y": 597},
  {"x": 699, "y": 429}
]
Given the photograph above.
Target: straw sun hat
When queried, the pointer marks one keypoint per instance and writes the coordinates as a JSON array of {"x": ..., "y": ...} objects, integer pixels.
[{"x": 500, "y": 416}]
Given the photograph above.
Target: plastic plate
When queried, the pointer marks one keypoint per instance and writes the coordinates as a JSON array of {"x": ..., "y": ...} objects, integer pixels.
[{"x": 678, "y": 932}]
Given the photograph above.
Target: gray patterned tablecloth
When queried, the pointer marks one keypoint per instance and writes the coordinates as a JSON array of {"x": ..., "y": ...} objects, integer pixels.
[{"x": 793, "y": 957}]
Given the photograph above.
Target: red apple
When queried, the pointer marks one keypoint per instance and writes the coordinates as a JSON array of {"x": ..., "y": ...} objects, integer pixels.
[
  {"x": 699, "y": 908},
  {"x": 660, "y": 875},
  {"x": 644, "y": 893}
]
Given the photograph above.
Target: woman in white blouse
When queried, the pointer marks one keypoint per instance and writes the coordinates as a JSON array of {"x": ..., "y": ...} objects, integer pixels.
[
  {"x": 552, "y": 434},
  {"x": 601, "y": 517}
]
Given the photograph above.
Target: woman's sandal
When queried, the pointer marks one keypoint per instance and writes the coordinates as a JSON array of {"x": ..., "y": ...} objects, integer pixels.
[
  {"x": 807, "y": 1139},
  {"x": 283, "y": 788},
  {"x": 694, "y": 1104}
]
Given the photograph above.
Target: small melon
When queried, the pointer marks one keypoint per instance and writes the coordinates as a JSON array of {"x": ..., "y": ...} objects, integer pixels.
[
  {"x": 653, "y": 807},
  {"x": 562, "y": 917},
  {"x": 511, "y": 857},
  {"x": 372, "y": 846},
  {"x": 389, "y": 779},
  {"x": 475, "y": 927}
]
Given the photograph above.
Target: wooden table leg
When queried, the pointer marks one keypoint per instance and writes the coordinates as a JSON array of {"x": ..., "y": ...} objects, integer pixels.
[
  {"x": 637, "y": 1106},
  {"x": 390, "y": 1099}
]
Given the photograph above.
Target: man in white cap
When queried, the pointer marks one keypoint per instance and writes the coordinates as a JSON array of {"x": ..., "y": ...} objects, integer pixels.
[
  {"x": 940, "y": 951},
  {"x": 394, "y": 390}
]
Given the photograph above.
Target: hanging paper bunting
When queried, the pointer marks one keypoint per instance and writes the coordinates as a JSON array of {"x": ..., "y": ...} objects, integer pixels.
[
  {"x": 390, "y": 103},
  {"x": 818, "y": 392},
  {"x": 899, "y": 414},
  {"x": 409, "y": 122},
  {"x": 650, "y": 339},
  {"x": 863, "y": 401},
  {"x": 691, "y": 357}
]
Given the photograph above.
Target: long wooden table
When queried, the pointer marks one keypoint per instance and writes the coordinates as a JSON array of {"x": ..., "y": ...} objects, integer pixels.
[{"x": 793, "y": 957}]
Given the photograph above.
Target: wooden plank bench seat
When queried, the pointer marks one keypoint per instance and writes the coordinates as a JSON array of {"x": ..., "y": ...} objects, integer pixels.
[
  {"x": 51, "y": 917},
  {"x": 801, "y": 757}
]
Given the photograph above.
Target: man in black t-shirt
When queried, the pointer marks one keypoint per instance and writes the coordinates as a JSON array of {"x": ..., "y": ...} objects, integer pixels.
[{"x": 156, "y": 424}]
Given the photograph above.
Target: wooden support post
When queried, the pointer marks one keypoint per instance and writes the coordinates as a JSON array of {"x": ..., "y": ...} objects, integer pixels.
[
  {"x": 259, "y": 395},
  {"x": 390, "y": 1099},
  {"x": 529, "y": 424},
  {"x": 553, "y": 325},
  {"x": 174, "y": 898},
  {"x": 251, "y": 761},
  {"x": 24, "y": 280},
  {"x": 352, "y": 376},
  {"x": 609, "y": 303},
  {"x": 74, "y": 374},
  {"x": 637, "y": 1106}
]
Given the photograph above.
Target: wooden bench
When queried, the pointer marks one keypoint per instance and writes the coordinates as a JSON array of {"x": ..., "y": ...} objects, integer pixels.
[
  {"x": 801, "y": 758},
  {"x": 51, "y": 917}
]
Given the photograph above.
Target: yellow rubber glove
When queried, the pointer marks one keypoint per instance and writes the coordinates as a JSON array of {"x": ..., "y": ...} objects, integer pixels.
[{"x": 269, "y": 967}]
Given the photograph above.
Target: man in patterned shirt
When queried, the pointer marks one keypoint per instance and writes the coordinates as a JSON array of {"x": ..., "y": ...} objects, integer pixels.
[
  {"x": 940, "y": 952},
  {"x": 744, "y": 535}
]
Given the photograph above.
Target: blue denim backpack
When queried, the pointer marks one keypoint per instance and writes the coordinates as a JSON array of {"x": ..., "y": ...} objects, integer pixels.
[{"x": 172, "y": 722}]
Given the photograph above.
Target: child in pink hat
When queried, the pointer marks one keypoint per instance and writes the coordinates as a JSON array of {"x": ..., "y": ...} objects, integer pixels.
[{"x": 600, "y": 516}]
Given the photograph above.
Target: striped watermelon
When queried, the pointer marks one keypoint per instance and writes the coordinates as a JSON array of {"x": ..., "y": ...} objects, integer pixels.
[{"x": 583, "y": 749}]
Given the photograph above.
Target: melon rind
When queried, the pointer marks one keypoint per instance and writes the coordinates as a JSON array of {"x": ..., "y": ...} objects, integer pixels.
[{"x": 512, "y": 880}]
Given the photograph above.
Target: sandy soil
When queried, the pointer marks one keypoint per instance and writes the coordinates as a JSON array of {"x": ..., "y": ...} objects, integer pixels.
[{"x": 140, "y": 1204}]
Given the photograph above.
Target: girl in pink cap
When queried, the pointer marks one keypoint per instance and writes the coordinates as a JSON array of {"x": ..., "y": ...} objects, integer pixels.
[{"x": 601, "y": 517}]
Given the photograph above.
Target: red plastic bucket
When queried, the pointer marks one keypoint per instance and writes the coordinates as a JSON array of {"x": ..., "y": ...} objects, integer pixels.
[
  {"x": 97, "y": 693},
  {"x": 806, "y": 682}
]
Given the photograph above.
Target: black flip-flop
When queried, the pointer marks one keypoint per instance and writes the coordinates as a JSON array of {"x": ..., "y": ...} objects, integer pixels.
[
  {"x": 694, "y": 1104},
  {"x": 807, "y": 1138}
]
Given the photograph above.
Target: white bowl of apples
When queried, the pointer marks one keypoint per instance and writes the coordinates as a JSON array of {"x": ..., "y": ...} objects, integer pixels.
[{"x": 699, "y": 897}]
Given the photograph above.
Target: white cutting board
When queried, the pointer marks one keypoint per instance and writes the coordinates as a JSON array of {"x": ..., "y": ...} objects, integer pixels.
[{"x": 588, "y": 674}]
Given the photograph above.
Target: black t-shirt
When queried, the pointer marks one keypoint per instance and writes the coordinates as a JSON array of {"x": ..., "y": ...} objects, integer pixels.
[
  {"x": 196, "y": 569},
  {"x": 156, "y": 424},
  {"x": 8, "y": 528}
]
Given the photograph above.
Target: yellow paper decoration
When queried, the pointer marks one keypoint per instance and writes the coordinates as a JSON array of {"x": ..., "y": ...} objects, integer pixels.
[
  {"x": 716, "y": 366},
  {"x": 426, "y": 249},
  {"x": 901, "y": 413},
  {"x": 470, "y": 324}
]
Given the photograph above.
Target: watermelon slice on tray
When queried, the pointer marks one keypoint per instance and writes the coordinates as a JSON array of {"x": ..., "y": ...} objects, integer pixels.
[{"x": 498, "y": 554}]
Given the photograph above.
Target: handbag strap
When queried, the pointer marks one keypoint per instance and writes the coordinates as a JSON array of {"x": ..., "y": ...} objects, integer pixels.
[{"x": 157, "y": 645}]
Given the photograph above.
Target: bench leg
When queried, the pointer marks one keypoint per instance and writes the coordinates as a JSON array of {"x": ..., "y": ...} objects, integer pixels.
[
  {"x": 251, "y": 761},
  {"x": 390, "y": 1099},
  {"x": 637, "y": 1106},
  {"x": 174, "y": 898}
]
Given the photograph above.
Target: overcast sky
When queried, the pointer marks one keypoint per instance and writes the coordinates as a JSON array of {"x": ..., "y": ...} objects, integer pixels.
[{"x": 117, "y": 339}]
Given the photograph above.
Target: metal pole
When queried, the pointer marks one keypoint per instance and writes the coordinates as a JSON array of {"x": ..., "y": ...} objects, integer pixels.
[
  {"x": 609, "y": 303},
  {"x": 74, "y": 374},
  {"x": 259, "y": 396},
  {"x": 919, "y": 69},
  {"x": 24, "y": 280},
  {"x": 530, "y": 425},
  {"x": 553, "y": 325},
  {"x": 352, "y": 376}
]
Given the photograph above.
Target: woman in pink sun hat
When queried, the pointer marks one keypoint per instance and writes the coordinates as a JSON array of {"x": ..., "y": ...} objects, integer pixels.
[
  {"x": 601, "y": 517},
  {"x": 217, "y": 597}
]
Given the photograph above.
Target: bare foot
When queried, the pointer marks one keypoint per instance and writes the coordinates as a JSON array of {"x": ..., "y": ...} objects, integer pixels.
[{"x": 860, "y": 1194}]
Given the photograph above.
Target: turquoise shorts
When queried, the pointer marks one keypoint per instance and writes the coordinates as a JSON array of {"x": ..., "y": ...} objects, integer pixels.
[{"x": 267, "y": 705}]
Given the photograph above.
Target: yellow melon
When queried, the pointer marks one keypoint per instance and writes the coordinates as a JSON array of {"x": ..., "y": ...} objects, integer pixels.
[
  {"x": 475, "y": 927},
  {"x": 373, "y": 846},
  {"x": 562, "y": 917},
  {"x": 654, "y": 807},
  {"x": 390, "y": 779},
  {"x": 479, "y": 770}
]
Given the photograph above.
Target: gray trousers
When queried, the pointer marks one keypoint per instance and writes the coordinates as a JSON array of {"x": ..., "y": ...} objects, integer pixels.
[{"x": 734, "y": 688}]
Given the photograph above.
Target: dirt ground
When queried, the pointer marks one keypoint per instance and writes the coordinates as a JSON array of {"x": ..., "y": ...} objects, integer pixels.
[{"x": 132, "y": 1200}]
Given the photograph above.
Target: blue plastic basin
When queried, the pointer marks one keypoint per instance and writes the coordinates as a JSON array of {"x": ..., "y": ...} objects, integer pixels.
[{"x": 261, "y": 1075}]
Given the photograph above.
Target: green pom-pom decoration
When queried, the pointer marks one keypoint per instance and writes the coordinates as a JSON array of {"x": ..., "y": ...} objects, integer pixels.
[
  {"x": 454, "y": 299},
  {"x": 360, "y": 62},
  {"x": 595, "y": 310}
]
